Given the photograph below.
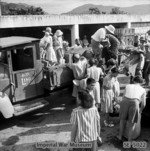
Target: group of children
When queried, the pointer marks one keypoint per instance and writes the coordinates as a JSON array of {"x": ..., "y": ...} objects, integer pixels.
[
  {"x": 97, "y": 89},
  {"x": 93, "y": 96}
]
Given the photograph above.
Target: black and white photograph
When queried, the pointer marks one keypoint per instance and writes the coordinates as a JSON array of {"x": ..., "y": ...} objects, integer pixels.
[{"x": 75, "y": 75}]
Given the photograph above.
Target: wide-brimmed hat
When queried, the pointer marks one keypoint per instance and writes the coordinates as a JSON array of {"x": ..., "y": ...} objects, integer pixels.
[
  {"x": 59, "y": 33},
  {"x": 49, "y": 30},
  {"x": 110, "y": 28}
]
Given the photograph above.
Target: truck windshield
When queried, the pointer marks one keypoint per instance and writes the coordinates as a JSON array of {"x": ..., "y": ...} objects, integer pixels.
[{"x": 22, "y": 58}]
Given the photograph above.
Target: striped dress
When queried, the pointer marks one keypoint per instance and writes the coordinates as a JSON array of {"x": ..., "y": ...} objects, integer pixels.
[{"x": 88, "y": 124}]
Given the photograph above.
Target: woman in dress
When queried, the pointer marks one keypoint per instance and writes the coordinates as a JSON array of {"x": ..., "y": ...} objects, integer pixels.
[
  {"x": 95, "y": 73},
  {"x": 46, "y": 45},
  {"x": 85, "y": 122},
  {"x": 50, "y": 55},
  {"x": 58, "y": 42},
  {"x": 109, "y": 94}
]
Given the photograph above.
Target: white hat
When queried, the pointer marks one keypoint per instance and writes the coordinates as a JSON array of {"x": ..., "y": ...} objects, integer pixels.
[
  {"x": 110, "y": 28},
  {"x": 49, "y": 30},
  {"x": 59, "y": 33}
]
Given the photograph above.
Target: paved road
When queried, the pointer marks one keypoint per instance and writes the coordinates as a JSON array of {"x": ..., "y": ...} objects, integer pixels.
[{"x": 52, "y": 124}]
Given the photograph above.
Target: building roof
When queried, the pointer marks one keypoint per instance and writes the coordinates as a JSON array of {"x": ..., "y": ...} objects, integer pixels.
[{"x": 15, "y": 40}]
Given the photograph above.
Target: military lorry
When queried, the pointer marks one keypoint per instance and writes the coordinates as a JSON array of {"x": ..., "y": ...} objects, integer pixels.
[
  {"x": 25, "y": 79},
  {"x": 21, "y": 76}
]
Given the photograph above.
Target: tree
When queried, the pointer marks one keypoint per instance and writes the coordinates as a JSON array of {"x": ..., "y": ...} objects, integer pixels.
[
  {"x": 116, "y": 10},
  {"x": 94, "y": 10},
  {"x": 25, "y": 11}
]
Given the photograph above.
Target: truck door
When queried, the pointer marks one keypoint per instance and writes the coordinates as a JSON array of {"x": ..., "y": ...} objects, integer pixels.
[{"x": 22, "y": 60}]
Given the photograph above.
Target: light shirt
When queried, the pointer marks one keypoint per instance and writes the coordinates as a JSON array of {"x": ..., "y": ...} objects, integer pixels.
[
  {"x": 99, "y": 35},
  {"x": 109, "y": 81},
  {"x": 60, "y": 41},
  {"x": 88, "y": 124},
  {"x": 95, "y": 73},
  {"x": 45, "y": 40},
  {"x": 141, "y": 62},
  {"x": 135, "y": 91},
  {"x": 78, "y": 68}
]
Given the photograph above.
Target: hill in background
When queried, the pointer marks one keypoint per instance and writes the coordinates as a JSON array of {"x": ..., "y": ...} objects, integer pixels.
[
  {"x": 137, "y": 9},
  {"x": 12, "y": 8},
  {"x": 84, "y": 9}
]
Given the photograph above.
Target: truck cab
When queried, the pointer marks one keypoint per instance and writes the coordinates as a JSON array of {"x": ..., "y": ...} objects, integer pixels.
[{"x": 21, "y": 73}]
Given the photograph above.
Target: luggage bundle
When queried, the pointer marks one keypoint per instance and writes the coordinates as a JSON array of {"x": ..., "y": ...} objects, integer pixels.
[{"x": 57, "y": 76}]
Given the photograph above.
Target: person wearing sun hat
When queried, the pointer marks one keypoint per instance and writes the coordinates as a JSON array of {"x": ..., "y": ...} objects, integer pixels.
[
  {"x": 60, "y": 51},
  {"x": 46, "y": 47},
  {"x": 131, "y": 106},
  {"x": 100, "y": 36},
  {"x": 43, "y": 44},
  {"x": 49, "y": 30}
]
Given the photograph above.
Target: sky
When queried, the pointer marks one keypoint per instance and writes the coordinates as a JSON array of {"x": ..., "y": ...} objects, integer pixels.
[{"x": 62, "y": 6}]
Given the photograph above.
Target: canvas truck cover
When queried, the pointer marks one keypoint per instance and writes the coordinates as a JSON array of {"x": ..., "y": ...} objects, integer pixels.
[{"x": 15, "y": 40}]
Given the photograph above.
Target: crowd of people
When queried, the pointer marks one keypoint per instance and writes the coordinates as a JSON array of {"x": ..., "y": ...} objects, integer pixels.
[
  {"x": 96, "y": 87},
  {"x": 53, "y": 46}
]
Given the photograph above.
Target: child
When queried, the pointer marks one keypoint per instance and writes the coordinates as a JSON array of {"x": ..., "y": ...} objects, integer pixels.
[
  {"x": 96, "y": 73},
  {"x": 85, "y": 121},
  {"x": 109, "y": 94},
  {"x": 110, "y": 64},
  {"x": 90, "y": 88}
]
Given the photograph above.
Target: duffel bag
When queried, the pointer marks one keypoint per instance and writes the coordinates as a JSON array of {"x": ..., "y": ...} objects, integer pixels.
[{"x": 59, "y": 76}]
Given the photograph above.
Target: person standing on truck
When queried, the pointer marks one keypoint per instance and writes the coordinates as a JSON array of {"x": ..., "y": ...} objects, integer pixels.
[
  {"x": 60, "y": 50},
  {"x": 114, "y": 46},
  {"x": 43, "y": 44},
  {"x": 98, "y": 37},
  {"x": 46, "y": 45}
]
